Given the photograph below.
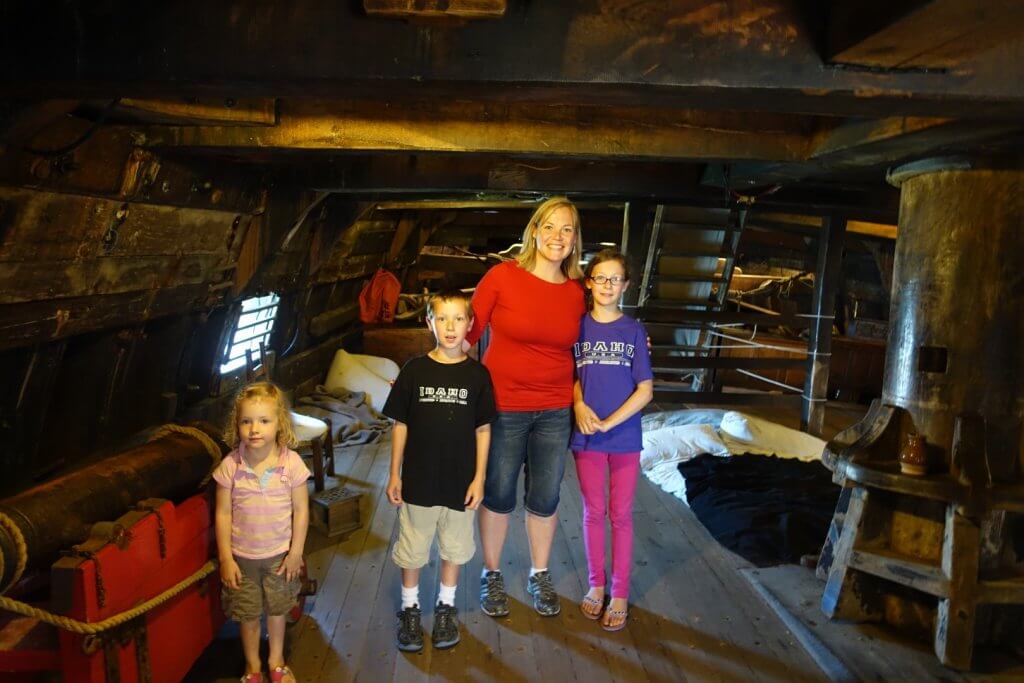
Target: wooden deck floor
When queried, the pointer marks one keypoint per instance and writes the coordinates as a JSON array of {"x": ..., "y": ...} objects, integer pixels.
[{"x": 693, "y": 616}]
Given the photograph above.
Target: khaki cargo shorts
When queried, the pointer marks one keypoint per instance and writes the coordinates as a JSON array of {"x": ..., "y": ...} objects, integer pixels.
[
  {"x": 261, "y": 590},
  {"x": 417, "y": 526}
]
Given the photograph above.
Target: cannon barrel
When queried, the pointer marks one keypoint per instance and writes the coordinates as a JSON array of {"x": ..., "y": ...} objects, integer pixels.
[{"x": 58, "y": 514}]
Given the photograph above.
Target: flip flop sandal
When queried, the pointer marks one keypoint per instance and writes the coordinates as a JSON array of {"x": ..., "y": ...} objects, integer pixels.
[
  {"x": 624, "y": 613},
  {"x": 589, "y": 601},
  {"x": 282, "y": 674}
]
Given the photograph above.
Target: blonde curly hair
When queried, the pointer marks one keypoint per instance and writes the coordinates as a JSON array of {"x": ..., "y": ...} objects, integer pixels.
[{"x": 263, "y": 391}]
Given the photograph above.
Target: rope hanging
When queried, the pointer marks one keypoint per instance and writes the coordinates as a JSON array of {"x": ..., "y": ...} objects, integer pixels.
[{"x": 93, "y": 628}]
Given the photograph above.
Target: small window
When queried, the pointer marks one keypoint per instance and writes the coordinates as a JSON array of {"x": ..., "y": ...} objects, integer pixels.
[{"x": 254, "y": 325}]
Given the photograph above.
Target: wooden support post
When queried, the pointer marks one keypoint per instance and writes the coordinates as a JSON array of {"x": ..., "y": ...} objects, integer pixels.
[
  {"x": 819, "y": 342},
  {"x": 955, "y": 617},
  {"x": 329, "y": 447},
  {"x": 318, "y": 464},
  {"x": 844, "y": 596}
]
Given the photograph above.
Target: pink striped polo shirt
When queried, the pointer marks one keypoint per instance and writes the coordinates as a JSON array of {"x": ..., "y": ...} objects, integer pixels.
[{"x": 261, "y": 512}]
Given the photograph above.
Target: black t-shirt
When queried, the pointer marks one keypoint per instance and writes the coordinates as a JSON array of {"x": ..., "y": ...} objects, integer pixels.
[{"x": 442, "y": 404}]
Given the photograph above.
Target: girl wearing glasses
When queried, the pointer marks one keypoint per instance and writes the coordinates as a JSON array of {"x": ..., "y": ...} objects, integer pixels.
[{"x": 614, "y": 382}]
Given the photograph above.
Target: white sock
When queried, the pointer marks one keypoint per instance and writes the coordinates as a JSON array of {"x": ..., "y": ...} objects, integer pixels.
[
  {"x": 410, "y": 596},
  {"x": 446, "y": 594},
  {"x": 537, "y": 570},
  {"x": 485, "y": 570}
]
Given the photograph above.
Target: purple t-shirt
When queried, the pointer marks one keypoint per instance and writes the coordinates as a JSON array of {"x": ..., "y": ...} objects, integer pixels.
[{"x": 611, "y": 359}]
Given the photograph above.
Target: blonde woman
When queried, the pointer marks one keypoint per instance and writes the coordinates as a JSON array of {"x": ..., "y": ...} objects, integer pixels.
[{"x": 533, "y": 306}]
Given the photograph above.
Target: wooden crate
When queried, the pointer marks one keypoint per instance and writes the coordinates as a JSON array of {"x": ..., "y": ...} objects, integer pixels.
[{"x": 335, "y": 512}]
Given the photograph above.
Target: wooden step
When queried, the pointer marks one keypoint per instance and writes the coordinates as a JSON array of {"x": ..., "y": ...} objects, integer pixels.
[
  {"x": 696, "y": 226},
  {"x": 694, "y": 214},
  {"x": 681, "y": 302},
  {"x": 902, "y": 569},
  {"x": 696, "y": 277}
]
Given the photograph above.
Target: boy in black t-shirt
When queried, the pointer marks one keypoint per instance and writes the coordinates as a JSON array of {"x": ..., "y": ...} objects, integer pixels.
[{"x": 442, "y": 404}]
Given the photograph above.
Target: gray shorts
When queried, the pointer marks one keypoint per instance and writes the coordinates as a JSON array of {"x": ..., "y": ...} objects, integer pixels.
[
  {"x": 417, "y": 526},
  {"x": 261, "y": 590}
]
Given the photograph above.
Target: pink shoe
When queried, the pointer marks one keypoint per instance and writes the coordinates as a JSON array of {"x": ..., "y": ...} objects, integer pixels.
[
  {"x": 253, "y": 678},
  {"x": 282, "y": 674}
]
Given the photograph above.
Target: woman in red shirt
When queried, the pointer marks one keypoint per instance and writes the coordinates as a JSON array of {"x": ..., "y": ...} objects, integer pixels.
[{"x": 533, "y": 306}]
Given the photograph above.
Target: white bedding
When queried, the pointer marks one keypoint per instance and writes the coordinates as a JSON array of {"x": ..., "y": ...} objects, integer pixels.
[
  {"x": 677, "y": 436},
  {"x": 358, "y": 372}
]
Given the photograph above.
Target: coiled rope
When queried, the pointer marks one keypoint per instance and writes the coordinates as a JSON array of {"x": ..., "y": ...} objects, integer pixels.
[{"x": 216, "y": 454}]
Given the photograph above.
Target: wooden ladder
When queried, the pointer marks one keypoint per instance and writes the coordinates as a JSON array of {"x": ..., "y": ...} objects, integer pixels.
[{"x": 691, "y": 256}]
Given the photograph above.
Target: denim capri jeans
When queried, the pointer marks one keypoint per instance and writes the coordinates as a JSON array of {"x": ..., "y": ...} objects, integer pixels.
[{"x": 535, "y": 442}]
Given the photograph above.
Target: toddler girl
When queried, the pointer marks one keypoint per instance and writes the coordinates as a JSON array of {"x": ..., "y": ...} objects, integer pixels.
[{"x": 261, "y": 522}]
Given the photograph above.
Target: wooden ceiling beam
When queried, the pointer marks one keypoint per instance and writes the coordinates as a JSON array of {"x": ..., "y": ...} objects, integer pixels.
[
  {"x": 811, "y": 225},
  {"x": 921, "y": 34},
  {"x": 738, "y": 55},
  {"x": 448, "y": 10},
  {"x": 488, "y": 182},
  {"x": 536, "y": 130},
  {"x": 194, "y": 111},
  {"x": 446, "y": 173},
  {"x": 869, "y": 147}
]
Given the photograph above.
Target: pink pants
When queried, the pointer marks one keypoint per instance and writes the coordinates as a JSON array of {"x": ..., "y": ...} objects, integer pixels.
[{"x": 591, "y": 467}]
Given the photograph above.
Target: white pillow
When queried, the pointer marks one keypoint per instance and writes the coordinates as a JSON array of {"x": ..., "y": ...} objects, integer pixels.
[
  {"x": 307, "y": 428},
  {"x": 384, "y": 367},
  {"x": 347, "y": 372},
  {"x": 735, "y": 425},
  {"x": 679, "y": 444},
  {"x": 768, "y": 438}
]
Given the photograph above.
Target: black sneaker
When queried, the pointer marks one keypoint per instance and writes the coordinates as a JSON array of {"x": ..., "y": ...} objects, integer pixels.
[
  {"x": 446, "y": 626},
  {"x": 545, "y": 600},
  {"x": 410, "y": 632},
  {"x": 493, "y": 598}
]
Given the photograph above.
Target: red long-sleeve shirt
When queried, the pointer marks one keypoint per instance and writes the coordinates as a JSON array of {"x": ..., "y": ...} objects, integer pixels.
[{"x": 534, "y": 324}]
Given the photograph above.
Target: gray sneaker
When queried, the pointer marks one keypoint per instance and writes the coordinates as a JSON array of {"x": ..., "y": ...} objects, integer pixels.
[
  {"x": 493, "y": 598},
  {"x": 545, "y": 600},
  {"x": 409, "y": 637},
  {"x": 446, "y": 627}
]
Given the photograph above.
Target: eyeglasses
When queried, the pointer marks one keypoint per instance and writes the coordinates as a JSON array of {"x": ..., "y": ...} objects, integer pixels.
[{"x": 616, "y": 280}]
